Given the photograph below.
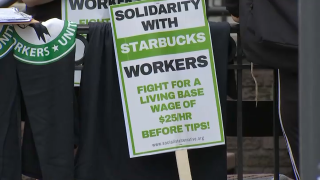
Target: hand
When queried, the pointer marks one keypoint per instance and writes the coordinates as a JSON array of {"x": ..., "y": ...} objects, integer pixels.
[{"x": 236, "y": 19}]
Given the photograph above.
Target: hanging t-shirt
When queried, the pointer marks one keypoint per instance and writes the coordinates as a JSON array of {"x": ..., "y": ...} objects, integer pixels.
[
  {"x": 9, "y": 141},
  {"x": 45, "y": 55},
  {"x": 103, "y": 153},
  {"x": 30, "y": 159}
]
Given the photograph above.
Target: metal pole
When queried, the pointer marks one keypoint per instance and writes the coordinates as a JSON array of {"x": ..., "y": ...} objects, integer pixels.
[
  {"x": 224, "y": 17},
  {"x": 239, "y": 111},
  {"x": 309, "y": 89},
  {"x": 275, "y": 125}
]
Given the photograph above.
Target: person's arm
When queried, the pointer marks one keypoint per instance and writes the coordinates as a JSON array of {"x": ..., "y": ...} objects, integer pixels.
[
  {"x": 31, "y": 3},
  {"x": 233, "y": 8}
]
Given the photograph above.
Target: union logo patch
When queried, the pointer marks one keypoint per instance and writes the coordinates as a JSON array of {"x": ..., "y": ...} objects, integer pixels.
[
  {"x": 6, "y": 40},
  {"x": 44, "y": 43}
]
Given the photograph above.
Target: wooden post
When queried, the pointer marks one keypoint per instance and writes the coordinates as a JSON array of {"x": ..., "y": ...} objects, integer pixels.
[{"x": 183, "y": 164}]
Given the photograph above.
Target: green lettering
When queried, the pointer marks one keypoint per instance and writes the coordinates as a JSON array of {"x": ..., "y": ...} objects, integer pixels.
[
  {"x": 155, "y": 108},
  {"x": 187, "y": 83},
  {"x": 82, "y": 21},
  {"x": 164, "y": 107},
  {"x": 200, "y": 92},
  {"x": 196, "y": 126},
  {"x": 197, "y": 82},
  {"x": 86, "y": 21},
  {"x": 142, "y": 101},
  {"x": 152, "y": 133},
  {"x": 188, "y": 115},
  {"x": 204, "y": 126},
  {"x": 173, "y": 129},
  {"x": 145, "y": 134},
  {"x": 165, "y": 130}
]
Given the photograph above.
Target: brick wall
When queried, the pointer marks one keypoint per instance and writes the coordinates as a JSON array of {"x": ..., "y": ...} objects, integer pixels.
[{"x": 258, "y": 151}]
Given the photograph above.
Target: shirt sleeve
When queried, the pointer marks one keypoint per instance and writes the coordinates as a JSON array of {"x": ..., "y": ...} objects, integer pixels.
[{"x": 233, "y": 7}]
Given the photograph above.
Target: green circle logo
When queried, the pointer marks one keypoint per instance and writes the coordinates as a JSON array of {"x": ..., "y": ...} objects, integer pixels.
[
  {"x": 44, "y": 43},
  {"x": 6, "y": 40}
]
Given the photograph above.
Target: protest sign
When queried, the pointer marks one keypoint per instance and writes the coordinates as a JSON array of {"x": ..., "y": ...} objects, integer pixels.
[
  {"x": 85, "y": 11},
  {"x": 167, "y": 76}
]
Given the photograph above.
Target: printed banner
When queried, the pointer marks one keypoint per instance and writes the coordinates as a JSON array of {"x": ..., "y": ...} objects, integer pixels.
[
  {"x": 38, "y": 45},
  {"x": 6, "y": 40},
  {"x": 85, "y": 11},
  {"x": 167, "y": 76}
]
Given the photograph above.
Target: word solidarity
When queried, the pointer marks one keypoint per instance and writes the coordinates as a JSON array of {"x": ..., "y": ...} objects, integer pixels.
[
  {"x": 154, "y": 10},
  {"x": 166, "y": 66}
]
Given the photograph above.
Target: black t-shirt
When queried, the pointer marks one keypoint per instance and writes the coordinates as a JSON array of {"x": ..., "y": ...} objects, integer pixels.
[{"x": 46, "y": 11}]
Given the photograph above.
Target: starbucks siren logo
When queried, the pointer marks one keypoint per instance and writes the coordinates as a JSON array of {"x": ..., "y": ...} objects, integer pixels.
[
  {"x": 44, "y": 43},
  {"x": 6, "y": 39}
]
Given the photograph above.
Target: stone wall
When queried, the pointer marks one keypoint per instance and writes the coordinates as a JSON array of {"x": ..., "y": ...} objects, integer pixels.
[{"x": 258, "y": 151}]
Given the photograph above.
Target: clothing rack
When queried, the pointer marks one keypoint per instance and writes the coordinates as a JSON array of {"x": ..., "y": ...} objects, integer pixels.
[{"x": 238, "y": 67}]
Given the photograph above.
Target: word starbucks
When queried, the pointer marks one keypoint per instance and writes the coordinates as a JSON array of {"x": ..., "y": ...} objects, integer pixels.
[{"x": 163, "y": 42}]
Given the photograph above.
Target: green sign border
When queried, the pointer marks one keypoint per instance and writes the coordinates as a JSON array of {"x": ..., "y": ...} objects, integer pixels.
[
  {"x": 124, "y": 88},
  {"x": 66, "y": 9}
]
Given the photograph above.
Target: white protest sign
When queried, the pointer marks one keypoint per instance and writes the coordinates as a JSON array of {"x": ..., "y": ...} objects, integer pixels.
[
  {"x": 167, "y": 76},
  {"x": 85, "y": 11}
]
